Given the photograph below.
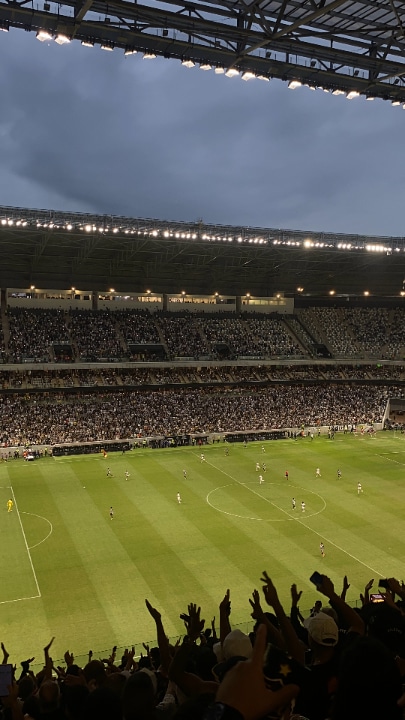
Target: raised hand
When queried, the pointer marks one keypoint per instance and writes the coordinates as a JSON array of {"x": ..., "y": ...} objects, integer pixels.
[
  {"x": 69, "y": 658},
  {"x": 153, "y": 611},
  {"x": 269, "y": 590},
  {"x": 195, "y": 624},
  {"x": 295, "y": 595},
  {"x": 257, "y": 610},
  {"x": 225, "y": 604}
]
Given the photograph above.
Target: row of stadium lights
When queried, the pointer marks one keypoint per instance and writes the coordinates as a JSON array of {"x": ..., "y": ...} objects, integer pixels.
[
  {"x": 370, "y": 247},
  {"x": 247, "y": 295},
  {"x": 351, "y": 95},
  {"x": 62, "y": 39}
]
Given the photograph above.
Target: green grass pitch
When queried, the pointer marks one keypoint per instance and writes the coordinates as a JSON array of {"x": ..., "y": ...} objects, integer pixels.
[{"x": 68, "y": 570}]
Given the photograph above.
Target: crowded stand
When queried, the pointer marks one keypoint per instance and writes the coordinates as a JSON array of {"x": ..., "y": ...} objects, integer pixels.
[
  {"x": 332, "y": 662},
  {"x": 137, "y": 326},
  {"x": 33, "y": 333},
  {"x": 73, "y": 417},
  {"x": 273, "y": 339},
  {"x": 183, "y": 336},
  {"x": 95, "y": 334},
  {"x": 330, "y": 326}
]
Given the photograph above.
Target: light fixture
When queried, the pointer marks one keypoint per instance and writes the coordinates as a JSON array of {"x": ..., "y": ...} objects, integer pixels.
[
  {"x": 370, "y": 97},
  {"x": 129, "y": 51},
  {"x": 331, "y": 292},
  {"x": 248, "y": 76},
  {"x": 205, "y": 66},
  {"x": 293, "y": 84},
  {"x": 219, "y": 71},
  {"x": 88, "y": 43},
  {"x": 232, "y": 72},
  {"x": 149, "y": 56},
  {"x": 188, "y": 63},
  {"x": 263, "y": 77},
  {"x": 366, "y": 293},
  {"x": 112, "y": 290},
  {"x": 62, "y": 39},
  {"x": 108, "y": 47},
  {"x": 338, "y": 92},
  {"x": 395, "y": 103},
  {"x": 43, "y": 35},
  {"x": 352, "y": 94},
  {"x": 4, "y": 26}
]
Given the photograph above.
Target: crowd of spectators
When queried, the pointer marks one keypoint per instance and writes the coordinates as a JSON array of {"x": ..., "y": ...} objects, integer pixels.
[
  {"x": 43, "y": 335},
  {"x": 333, "y": 662},
  {"x": 32, "y": 333},
  {"x": 95, "y": 334},
  {"x": 183, "y": 336},
  {"x": 214, "y": 374},
  {"x": 68, "y": 417}
]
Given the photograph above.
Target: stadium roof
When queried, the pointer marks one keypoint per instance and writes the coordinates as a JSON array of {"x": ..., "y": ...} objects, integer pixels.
[
  {"x": 60, "y": 250},
  {"x": 341, "y": 46}
]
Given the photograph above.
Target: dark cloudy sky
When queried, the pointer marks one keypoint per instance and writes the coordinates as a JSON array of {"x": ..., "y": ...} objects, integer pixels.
[{"x": 86, "y": 130}]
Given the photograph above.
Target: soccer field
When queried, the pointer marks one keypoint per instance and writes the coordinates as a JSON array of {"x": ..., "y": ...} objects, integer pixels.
[{"x": 69, "y": 570}]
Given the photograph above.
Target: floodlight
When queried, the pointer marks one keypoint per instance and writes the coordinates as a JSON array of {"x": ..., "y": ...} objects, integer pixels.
[
  {"x": 130, "y": 51},
  {"x": 205, "y": 66},
  {"x": 88, "y": 43},
  {"x": 188, "y": 63},
  {"x": 232, "y": 72},
  {"x": 338, "y": 92},
  {"x": 109, "y": 47},
  {"x": 149, "y": 56},
  {"x": 370, "y": 97},
  {"x": 4, "y": 26},
  {"x": 62, "y": 39},
  {"x": 219, "y": 71},
  {"x": 395, "y": 103},
  {"x": 352, "y": 94},
  {"x": 248, "y": 76},
  {"x": 263, "y": 77},
  {"x": 293, "y": 84},
  {"x": 43, "y": 35}
]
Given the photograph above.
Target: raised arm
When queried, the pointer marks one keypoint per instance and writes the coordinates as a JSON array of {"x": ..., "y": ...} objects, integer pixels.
[{"x": 163, "y": 643}]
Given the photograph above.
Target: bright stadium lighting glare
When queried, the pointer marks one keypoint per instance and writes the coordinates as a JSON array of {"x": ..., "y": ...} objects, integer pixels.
[
  {"x": 366, "y": 293},
  {"x": 395, "y": 103},
  {"x": 4, "y": 26},
  {"x": 88, "y": 43},
  {"x": 331, "y": 292},
  {"x": 149, "y": 56},
  {"x": 62, "y": 39},
  {"x": 108, "y": 47},
  {"x": 352, "y": 94},
  {"x": 232, "y": 72},
  {"x": 205, "y": 66},
  {"x": 43, "y": 35},
  {"x": 248, "y": 76},
  {"x": 293, "y": 84},
  {"x": 88, "y": 228},
  {"x": 130, "y": 51},
  {"x": 263, "y": 77},
  {"x": 188, "y": 63},
  {"x": 370, "y": 97},
  {"x": 219, "y": 71},
  {"x": 338, "y": 92}
]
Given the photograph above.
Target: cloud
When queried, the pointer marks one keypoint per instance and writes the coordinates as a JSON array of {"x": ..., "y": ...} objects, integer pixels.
[{"x": 88, "y": 130}]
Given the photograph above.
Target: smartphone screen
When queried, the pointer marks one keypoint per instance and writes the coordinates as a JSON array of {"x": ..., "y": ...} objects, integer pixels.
[
  {"x": 377, "y": 598},
  {"x": 6, "y": 679},
  {"x": 316, "y": 578}
]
